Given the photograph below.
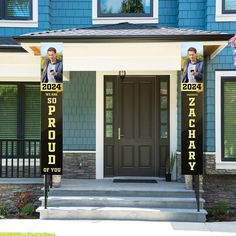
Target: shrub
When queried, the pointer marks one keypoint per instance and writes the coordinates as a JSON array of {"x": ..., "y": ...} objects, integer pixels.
[
  {"x": 3, "y": 210},
  {"x": 221, "y": 208},
  {"x": 27, "y": 210}
]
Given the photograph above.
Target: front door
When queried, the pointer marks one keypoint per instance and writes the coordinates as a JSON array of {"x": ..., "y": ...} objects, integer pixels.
[{"x": 136, "y": 125}]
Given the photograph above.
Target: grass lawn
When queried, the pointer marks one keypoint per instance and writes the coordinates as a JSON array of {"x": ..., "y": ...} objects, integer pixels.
[{"x": 26, "y": 234}]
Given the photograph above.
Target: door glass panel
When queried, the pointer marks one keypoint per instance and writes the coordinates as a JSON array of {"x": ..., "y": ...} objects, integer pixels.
[
  {"x": 109, "y": 102},
  {"x": 108, "y": 112},
  {"x": 108, "y": 116},
  {"x": 163, "y": 116},
  {"x": 164, "y": 133},
  {"x": 109, "y": 88},
  {"x": 163, "y": 101},
  {"x": 109, "y": 132},
  {"x": 163, "y": 88}
]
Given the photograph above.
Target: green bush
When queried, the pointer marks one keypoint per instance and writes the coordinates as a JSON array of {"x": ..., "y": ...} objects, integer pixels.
[
  {"x": 3, "y": 210},
  {"x": 27, "y": 210},
  {"x": 221, "y": 208}
]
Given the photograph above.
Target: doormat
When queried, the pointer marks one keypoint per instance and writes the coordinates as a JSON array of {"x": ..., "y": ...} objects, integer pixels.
[{"x": 148, "y": 181}]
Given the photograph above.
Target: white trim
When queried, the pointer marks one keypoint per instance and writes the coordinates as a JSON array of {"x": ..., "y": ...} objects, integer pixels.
[
  {"x": 115, "y": 20},
  {"x": 99, "y": 126},
  {"x": 100, "y": 109},
  {"x": 223, "y": 17},
  {"x": 219, "y": 163},
  {"x": 71, "y": 151},
  {"x": 23, "y": 23}
]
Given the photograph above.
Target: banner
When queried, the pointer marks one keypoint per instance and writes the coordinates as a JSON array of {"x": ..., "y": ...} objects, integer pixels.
[
  {"x": 51, "y": 108},
  {"x": 192, "y": 110}
]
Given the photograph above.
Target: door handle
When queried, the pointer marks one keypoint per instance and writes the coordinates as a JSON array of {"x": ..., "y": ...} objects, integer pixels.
[{"x": 119, "y": 134}]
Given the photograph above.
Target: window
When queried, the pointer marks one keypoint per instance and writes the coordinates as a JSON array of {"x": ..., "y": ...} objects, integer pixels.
[
  {"x": 19, "y": 111},
  {"x": 19, "y": 13},
  {"x": 228, "y": 89},
  {"x": 117, "y": 11},
  {"x": 109, "y": 109},
  {"x": 228, "y": 6},
  {"x": 225, "y": 124},
  {"x": 121, "y": 8},
  {"x": 225, "y": 10},
  {"x": 16, "y": 9}
]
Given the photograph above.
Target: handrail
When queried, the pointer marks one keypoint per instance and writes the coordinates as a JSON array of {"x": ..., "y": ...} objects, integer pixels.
[{"x": 196, "y": 188}]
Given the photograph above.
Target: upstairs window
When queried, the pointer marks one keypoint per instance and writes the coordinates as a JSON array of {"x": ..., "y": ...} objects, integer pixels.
[
  {"x": 228, "y": 6},
  {"x": 118, "y": 11},
  {"x": 16, "y": 9},
  {"x": 120, "y": 8},
  {"x": 225, "y": 10}
]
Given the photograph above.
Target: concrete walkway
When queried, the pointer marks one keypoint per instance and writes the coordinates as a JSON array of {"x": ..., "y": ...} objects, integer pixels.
[{"x": 118, "y": 228}]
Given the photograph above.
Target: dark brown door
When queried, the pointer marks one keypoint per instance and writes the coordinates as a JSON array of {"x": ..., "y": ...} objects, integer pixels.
[{"x": 133, "y": 125}]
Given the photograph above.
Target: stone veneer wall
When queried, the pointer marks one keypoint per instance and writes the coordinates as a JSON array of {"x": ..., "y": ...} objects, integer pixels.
[
  {"x": 218, "y": 185},
  {"x": 79, "y": 165}
]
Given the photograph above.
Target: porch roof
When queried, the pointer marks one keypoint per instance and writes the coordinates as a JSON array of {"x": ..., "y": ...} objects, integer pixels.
[
  {"x": 9, "y": 44},
  {"x": 125, "y": 32}
]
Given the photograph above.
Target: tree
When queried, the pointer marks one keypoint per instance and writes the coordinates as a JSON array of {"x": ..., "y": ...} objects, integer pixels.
[{"x": 132, "y": 6}]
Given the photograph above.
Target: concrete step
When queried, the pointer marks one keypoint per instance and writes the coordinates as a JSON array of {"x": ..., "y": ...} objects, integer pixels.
[
  {"x": 111, "y": 201},
  {"x": 121, "y": 213},
  {"x": 179, "y": 193}
]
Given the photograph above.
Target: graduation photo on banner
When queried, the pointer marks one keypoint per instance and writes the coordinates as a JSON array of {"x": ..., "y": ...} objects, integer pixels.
[
  {"x": 192, "y": 78},
  {"x": 51, "y": 108}
]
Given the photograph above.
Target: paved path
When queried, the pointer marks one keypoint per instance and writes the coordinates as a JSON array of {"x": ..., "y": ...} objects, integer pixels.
[{"x": 119, "y": 228}]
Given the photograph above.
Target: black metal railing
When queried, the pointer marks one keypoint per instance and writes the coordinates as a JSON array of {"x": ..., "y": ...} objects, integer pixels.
[
  {"x": 47, "y": 186},
  {"x": 19, "y": 158},
  {"x": 196, "y": 188}
]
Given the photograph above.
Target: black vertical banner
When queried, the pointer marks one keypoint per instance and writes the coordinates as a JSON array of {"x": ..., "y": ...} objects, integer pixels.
[
  {"x": 192, "y": 128},
  {"x": 51, "y": 109}
]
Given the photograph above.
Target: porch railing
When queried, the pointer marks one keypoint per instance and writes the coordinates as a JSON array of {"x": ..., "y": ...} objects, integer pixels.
[
  {"x": 196, "y": 188},
  {"x": 19, "y": 158}
]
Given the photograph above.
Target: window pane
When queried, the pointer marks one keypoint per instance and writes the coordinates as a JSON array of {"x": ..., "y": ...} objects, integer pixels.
[
  {"x": 163, "y": 87},
  {"x": 8, "y": 111},
  {"x": 230, "y": 120},
  {"x": 108, "y": 116},
  {"x": 19, "y": 8},
  {"x": 32, "y": 115},
  {"x": 125, "y": 6},
  {"x": 109, "y": 88},
  {"x": 32, "y": 118},
  {"x": 230, "y": 5},
  {"x": 163, "y": 116},
  {"x": 163, "y": 101},
  {"x": 164, "y": 132},
  {"x": 109, "y": 132},
  {"x": 109, "y": 102}
]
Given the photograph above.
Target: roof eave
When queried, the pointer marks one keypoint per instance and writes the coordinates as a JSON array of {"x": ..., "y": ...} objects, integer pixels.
[{"x": 124, "y": 38}]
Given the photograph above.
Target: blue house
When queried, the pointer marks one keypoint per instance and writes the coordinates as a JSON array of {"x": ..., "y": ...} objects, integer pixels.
[{"x": 116, "y": 127}]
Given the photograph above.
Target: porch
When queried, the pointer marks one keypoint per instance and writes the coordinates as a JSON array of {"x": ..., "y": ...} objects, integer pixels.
[{"x": 108, "y": 200}]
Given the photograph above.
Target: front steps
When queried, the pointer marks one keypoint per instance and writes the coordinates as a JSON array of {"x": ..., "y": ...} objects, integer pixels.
[{"x": 96, "y": 200}]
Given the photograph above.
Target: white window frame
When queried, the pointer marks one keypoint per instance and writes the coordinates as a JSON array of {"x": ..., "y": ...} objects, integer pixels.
[
  {"x": 223, "y": 17},
  {"x": 115, "y": 20},
  {"x": 23, "y": 23},
  {"x": 219, "y": 163}
]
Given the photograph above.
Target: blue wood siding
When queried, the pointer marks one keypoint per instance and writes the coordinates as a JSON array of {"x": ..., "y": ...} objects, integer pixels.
[{"x": 80, "y": 111}]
